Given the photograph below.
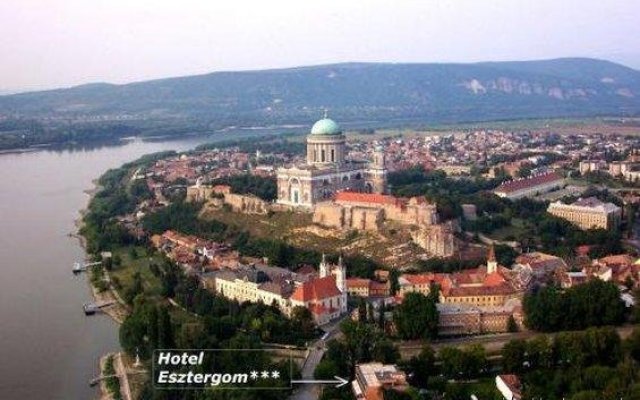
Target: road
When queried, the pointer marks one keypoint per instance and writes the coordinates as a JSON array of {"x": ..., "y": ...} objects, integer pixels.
[{"x": 311, "y": 391}]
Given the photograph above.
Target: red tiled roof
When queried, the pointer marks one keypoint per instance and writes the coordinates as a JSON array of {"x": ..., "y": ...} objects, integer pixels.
[
  {"x": 427, "y": 278},
  {"x": 372, "y": 198},
  {"x": 378, "y": 286},
  {"x": 503, "y": 289},
  {"x": 474, "y": 276},
  {"x": 519, "y": 184},
  {"x": 358, "y": 282},
  {"x": 494, "y": 279},
  {"x": 319, "y": 309},
  {"x": 538, "y": 260},
  {"x": 316, "y": 289}
]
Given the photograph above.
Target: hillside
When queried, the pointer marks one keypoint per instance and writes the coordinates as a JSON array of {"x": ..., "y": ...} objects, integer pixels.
[{"x": 357, "y": 93}]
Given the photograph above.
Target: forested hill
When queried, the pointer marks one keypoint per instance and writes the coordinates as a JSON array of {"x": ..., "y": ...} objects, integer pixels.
[{"x": 356, "y": 92}]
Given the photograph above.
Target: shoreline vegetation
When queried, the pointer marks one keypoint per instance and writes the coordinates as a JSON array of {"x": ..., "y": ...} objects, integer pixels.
[{"x": 117, "y": 312}]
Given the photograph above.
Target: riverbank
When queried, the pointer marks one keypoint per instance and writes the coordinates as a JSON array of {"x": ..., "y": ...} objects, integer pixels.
[{"x": 117, "y": 311}]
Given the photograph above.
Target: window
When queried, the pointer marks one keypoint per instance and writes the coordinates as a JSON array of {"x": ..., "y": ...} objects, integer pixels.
[
  {"x": 333, "y": 155},
  {"x": 322, "y": 155}
]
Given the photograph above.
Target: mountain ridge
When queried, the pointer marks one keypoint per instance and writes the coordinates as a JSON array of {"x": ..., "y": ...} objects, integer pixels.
[{"x": 437, "y": 92}]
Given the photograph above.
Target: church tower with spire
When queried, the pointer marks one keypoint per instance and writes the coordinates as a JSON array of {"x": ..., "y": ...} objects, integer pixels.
[
  {"x": 340, "y": 273},
  {"x": 323, "y": 267},
  {"x": 492, "y": 263}
]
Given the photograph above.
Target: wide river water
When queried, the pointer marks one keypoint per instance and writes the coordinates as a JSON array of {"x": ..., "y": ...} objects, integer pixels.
[{"x": 48, "y": 348}]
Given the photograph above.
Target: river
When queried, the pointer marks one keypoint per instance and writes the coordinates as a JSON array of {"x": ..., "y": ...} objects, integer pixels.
[{"x": 49, "y": 348}]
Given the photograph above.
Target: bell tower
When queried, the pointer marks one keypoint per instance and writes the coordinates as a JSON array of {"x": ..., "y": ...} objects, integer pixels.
[
  {"x": 492, "y": 263},
  {"x": 378, "y": 171}
]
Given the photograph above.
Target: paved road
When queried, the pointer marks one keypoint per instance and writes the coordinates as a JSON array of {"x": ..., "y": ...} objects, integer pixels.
[{"x": 310, "y": 391}]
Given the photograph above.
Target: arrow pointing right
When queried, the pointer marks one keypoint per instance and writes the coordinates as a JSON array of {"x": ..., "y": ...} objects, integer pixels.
[{"x": 338, "y": 381}]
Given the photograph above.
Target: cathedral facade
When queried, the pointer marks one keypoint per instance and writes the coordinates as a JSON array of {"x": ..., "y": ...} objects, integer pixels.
[{"x": 328, "y": 170}]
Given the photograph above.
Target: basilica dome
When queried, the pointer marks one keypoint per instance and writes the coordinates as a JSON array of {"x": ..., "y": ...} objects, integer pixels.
[{"x": 327, "y": 127}]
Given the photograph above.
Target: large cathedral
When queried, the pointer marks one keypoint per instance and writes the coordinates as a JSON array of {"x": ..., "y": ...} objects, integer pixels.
[{"x": 329, "y": 170}]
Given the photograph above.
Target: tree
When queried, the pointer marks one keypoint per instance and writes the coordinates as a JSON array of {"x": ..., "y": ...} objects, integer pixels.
[
  {"x": 505, "y": 255},
  {"x": 463, "y": 363},
  {"x": 135, "y": 289},
  {"x": 108, "y": 263},
  {"x": 326, "y": 369},
  {"x": 514, "y": 356},
  {"x": 165, "y": 329},
  {"x": 550, "y": 309},
  {"x": 362, "y": 310},
  {"x": 152, "y": 327},
  {"x": 302, "y": 321},
  {"x": 416, "y": 317},
  {"x": 385, "y": 352},
  {"x": 633, "y": 344},
  {"x": 422, "y": 366},
  {"x": 512, "y": 326},
  {"x": 371, "y": 316},
  {"x": 359, "y": 339},
  {"x": 381, "y": 317}
]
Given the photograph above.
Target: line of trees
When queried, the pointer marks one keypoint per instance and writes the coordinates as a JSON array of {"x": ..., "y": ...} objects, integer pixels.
[
  {"x": 589, "y": 365},
  {"x": 595, "y": 303}
]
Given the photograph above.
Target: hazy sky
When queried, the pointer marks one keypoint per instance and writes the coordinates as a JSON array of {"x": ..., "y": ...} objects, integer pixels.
[{"x": 51, "y": 43}]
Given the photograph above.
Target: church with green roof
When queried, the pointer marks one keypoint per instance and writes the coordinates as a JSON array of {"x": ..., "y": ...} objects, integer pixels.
[{"x": 328, "y": 169}]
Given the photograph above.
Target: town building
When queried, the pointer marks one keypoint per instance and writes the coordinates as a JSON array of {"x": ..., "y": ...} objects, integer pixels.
[
  {"x": 588, "y": 213},
  {"x": 366, "y": 288},
  {"x": 473, "y": 301},
  {"x": 530, "y": 187},
  {"x": 327, "y": 170},
  {"x": 618, "y": 168},
  {"x": 421, "y": 283},
  {"x": 538, "y": 267},
  {"x": 466, "y": 319},
  {"x": 325, "y": 294},
  {"x": 592, "y": 166},
  {"x": 485, "y": 286},
  {"x": 371, "y": 379}
]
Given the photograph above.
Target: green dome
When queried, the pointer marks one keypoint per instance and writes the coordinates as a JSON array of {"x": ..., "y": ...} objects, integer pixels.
[{"x": 326, "y": 126}]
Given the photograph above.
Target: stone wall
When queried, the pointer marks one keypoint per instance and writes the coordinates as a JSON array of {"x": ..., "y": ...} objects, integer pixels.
[
  {"x": 437, "y": 240},
  {"x": 199, "y": 193},
  {"x": 246, "y": 203},
  {"x": 414, "y": 213},
  {"x": 370, "y": 216},
  {"x": 335, "y": 216}
]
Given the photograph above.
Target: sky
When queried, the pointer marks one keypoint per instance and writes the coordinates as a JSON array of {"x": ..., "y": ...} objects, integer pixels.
[{"x": 60, "y": 43}]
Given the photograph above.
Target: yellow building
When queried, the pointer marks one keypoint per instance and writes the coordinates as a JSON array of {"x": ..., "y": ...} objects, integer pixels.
[{"x": 588, "y": 213}]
